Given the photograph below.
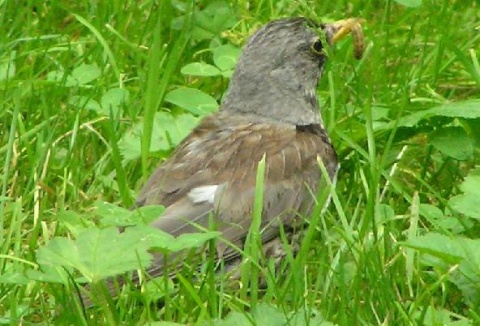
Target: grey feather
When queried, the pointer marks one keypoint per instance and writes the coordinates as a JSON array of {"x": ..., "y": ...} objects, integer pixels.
[{"x": 269, "y": 109}]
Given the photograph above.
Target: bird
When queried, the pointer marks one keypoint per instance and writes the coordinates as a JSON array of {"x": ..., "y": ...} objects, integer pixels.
[{"x": 270, "y": 109}]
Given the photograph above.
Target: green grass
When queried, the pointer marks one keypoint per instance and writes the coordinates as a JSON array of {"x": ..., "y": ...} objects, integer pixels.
[{"x": 87, "y": 112}]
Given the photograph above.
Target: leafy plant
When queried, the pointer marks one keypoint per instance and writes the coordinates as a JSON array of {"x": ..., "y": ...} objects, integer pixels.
[{"x": 94, "y": 95}]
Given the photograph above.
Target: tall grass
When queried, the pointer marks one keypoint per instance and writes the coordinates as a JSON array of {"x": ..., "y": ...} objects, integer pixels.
[{"x": 83, "y": 111}]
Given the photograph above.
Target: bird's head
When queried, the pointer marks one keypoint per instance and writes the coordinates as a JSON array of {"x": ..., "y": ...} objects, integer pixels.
[{"x": 279, "y": 69}]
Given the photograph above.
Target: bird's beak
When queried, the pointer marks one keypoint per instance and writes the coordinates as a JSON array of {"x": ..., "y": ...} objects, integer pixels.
[{"x": 337, "y": 30}]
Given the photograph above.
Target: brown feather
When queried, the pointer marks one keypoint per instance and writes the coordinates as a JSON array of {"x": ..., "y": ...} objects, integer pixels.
[
  {"x": 226, "y": 153},
  {"x": 270, "y": 109}
]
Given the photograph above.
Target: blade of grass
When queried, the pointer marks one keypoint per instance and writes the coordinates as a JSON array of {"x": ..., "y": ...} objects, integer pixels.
[
  {"x": 7, "y": 162},
  {"x": 253, "y": 247},
  {"x": 103, "y": 42},
  {"x": 156, "y": 86},
  {"x": 117, "y": 161}
]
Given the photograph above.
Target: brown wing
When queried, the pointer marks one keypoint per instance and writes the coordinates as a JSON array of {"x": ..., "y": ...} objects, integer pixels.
[{"x": 214, "y": 170}]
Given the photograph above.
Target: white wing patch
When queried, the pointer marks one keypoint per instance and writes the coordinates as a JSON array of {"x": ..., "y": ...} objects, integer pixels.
[{"x": 203, "y": 194}]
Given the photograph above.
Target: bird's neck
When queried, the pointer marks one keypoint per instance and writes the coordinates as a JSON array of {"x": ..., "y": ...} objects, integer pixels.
[{"x": 282, "y": 102}]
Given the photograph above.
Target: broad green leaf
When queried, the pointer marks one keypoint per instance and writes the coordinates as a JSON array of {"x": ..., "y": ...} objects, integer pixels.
[
  {"x": 156, "y": 238},
  {"x": 80, "y": 76},
  {"x": 307, "y": 316},
  {"x": 226, "y": 56},
  {"x": 453, "y": 142},
  {"x": 84, "y": 102},
  {"x": 471, "y": 184},
  {"x": 174, "y": 128},
  {"x": 83, "y": 74},
  {"x": 233, "y": 319},
  {"x": 13, "y": 276},
  {"x": 451, "y": 249},
  {"x": 165, "y": 241},
  {"x": 385, "y": 212},
  {"x": 168, "y": 132},
  {"x": 469, "y": 109},
  {"x": 438, "y": 245},
  {"x": 380, "y": 113},
  {"x": 434, "y": 215},
  {"x": 51, "y": 274},
  {"x": 59, "y": 76},
  {"x": 192, "y": 100},
  {"x": 442, "y": 317},
  {"x": 409, "y": 3},
  {"x": 431, "y": 212},
  {"x": 467, "y": 279},
  {"x": 98, "y": 253},
  {"x": 73, "y": 221},
  {"x": 192, "y": 240},
  {"x": 263, "y": 315},
  {"x": 105, "y": 209},
  {"x": 113, "y": 99},
  {"x": 130, "y": 143},
  {"x": 467, "y": 204},
  {"x": 266, "y": 314},
  {"x": 200, "y": 69},
  {"x": 215, "y": 18},
  {"x": 113, "y": 215},
  {"x": 149, "y": 213}
]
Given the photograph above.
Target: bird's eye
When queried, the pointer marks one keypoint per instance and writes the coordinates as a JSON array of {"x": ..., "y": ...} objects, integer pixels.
[{"x": 317, "y": 47}]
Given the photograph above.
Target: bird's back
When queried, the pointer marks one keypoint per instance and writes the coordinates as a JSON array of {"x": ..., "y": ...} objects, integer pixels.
[{"x": 213, "y": 171}]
